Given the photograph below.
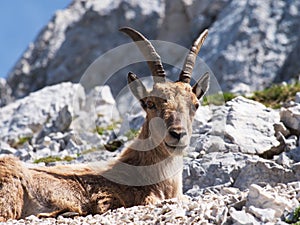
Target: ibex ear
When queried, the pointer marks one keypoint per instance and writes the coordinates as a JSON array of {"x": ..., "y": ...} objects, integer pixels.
[
  {"x": 137, "y": 88},
  {"x": 201, "y": 86}
]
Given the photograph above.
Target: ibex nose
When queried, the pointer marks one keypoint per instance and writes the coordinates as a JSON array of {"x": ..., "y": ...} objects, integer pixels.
[{"x": 177, "y": 133}]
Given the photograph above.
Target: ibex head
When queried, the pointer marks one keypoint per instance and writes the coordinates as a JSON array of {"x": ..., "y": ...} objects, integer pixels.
[{"x": 170, "y": 106}]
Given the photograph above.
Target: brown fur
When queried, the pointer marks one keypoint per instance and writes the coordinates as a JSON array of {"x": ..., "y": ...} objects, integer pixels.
[{"x": 147, "y": 171}]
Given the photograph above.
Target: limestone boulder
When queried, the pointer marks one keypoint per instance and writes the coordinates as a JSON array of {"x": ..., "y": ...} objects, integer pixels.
[
  {"x": 26, "y": 116},
  {"x": 250, "y": 126},
  {"x": 241, "y": 125},
  {"x": 291, "y": 118}
]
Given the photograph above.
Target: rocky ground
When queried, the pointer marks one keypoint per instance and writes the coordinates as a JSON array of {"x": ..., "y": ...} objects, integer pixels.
[{"x": 243, "y": 166}]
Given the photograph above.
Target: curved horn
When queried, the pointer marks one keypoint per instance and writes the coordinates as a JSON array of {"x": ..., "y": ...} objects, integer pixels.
[
  {"x": 147, "y": 49},
  {"x": 186, "y": 73}
]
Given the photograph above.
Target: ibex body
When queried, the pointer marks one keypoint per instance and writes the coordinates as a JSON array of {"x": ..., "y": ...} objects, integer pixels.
[{"x": 147, "y": 171}]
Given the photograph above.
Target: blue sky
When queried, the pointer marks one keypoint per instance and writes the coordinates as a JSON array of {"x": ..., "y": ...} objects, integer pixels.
[{"x": 20, "y": 22}]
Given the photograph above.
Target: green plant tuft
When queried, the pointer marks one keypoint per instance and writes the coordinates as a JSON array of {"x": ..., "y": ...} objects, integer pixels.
[
  {"x": 218, "y": 99},
  {"x": 131, "y": 134},
  {"x": 87, "y": 151},
  {"x": 21, "y": 141},
  {"x": 110, "y": 127},
  {"x": 51, "y": 159},
  {"x": 294, "y": 218},
  {"x": 276, "y": 95},
  {"x": 272, "y": 97}
]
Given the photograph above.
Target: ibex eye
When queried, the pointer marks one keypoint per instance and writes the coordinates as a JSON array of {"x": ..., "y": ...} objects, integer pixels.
[{"x": 150, "y": 105}]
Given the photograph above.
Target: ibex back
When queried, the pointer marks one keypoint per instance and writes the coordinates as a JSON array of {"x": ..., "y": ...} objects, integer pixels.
[{"x": 147, "y": 171}]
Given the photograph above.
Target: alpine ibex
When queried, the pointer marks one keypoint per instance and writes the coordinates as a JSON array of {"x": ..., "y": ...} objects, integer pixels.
[{"x": 147, "y": 171}]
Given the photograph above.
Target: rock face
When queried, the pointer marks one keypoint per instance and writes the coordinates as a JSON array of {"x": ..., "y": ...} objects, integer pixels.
[
  {"x": 250, "y": 45},
  {"x": 261, "y": 44},
  {"x": 75, "y": 37},
  {"x": 5, "y": 93},
  {"x": 85, "y": 30}
]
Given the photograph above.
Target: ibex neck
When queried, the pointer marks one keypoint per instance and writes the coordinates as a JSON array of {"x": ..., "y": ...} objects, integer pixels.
[
  {"x": 137, "y": 157},
  {"x": 141, "y": 165},
  {"x": 135, "y": 168},
  {"x": 143, "y": 151}
]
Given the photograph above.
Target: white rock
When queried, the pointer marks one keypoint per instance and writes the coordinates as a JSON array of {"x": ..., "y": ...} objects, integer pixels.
[
  {"x": 261, "y": 198},
  {"x": 229, "y": 128},
  {"x": 258, "y": 170},
  {"x": 54, "y": 147},
  {"x": 291, "y": 142},
  {"x": 203, "y": 114},
  {"x": 214, "y": 169},
  {"x": 132, "y": 122},
  {"x": 25, "y": 153},
  {"x": 30, "y": 114},
  {"x": 63, "y": 120},
  {"x": 279, "y": 127},
  {"x": 6, "y": 148},
  {"x": 242, "y": 218},
  {"x": 265, "y": 215},
  {"x": 297, "y": 97},
  {"x": 250, "y": 126},
  {"x": 44, "y": 152},
  {"x": 283, "y": 159},
  {"x": 291, "y": 117}
]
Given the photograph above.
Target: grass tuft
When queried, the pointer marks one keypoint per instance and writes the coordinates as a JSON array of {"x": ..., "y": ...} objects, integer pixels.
[
  {"x": 131, "y": 134},
  {"x": 294, "y": 217},
  {"x": 272, "y": 97},
  {"x": 21, "y": 142},
  {"x": 110, "y": 127},
  {"x": 218, "y": 99},
  {"x": 276, "y": 95},
  {"x": 51, "y": 159}
]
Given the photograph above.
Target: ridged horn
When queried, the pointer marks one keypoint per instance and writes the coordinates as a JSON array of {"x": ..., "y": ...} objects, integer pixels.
[
  {"x": 147, "y": 49},
  {"x": 186, "y": 73}
]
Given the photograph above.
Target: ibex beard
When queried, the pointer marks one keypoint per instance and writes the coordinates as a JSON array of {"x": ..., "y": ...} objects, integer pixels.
[{"x": 145, "y": 172}]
